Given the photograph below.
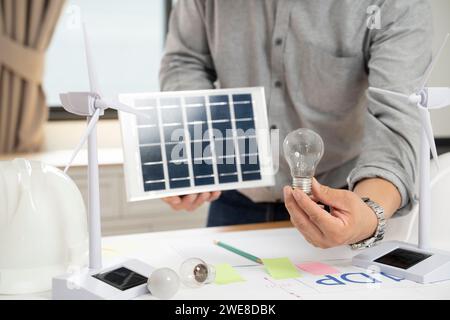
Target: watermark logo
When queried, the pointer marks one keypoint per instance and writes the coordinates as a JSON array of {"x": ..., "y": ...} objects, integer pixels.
[
  {"x": 221, "y": 145},
  {"x": 373, "y": 21}
]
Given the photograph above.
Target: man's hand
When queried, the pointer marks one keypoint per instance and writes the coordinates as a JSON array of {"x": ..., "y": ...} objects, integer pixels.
[
  {"x": 349, "y": 221},
  {"x": 192, "y": 201}
]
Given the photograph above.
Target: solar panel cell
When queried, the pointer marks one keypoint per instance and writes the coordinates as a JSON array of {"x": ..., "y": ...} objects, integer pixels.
[
  {"x": 227, "y": 168},
  {"x": 154, "y": 186},
  {"x": 251, "y": 176},
  {"x": 203, "y": 181},
  {"x": 185, "y": 183},
  {"x": 200, "y": 150},
  {"x": 194, "y": 100},
  {"x": 150, "y": 154},
  {"x": 228, "y": 178},
  {"x": 170, "y": 101},
  {"x": 176, "y": 151},
  {"x": 196, "y": 109},
  {"x": 202, "y": 169},
  {"x": 245, "y": 128},
  {"x": 222, "y": 130},
  {"x": 171, "y": 115},
  {"x": 152, "y": 118},
  {"x": 224, "y": 147},
  {"x": 149, "y": 135},
  {"x": 174, "y": 133},
  {"x": 153, "y": 172},
  {"x": 250, "y": 163},
  {"x": 247, "y": 145},
  {"x": 178, "y": 170},
  {"x": 243, "y": 106},
  {"x": 198, "y": 131}
]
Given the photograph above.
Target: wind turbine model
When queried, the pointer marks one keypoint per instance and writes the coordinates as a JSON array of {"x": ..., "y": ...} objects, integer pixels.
[
  {"x": 128, "y": 279},
  {"x": 419, "y": 264}
]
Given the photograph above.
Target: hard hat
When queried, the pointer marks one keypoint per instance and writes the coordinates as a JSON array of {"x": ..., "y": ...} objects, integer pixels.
[{"x": 43, "y": 227}]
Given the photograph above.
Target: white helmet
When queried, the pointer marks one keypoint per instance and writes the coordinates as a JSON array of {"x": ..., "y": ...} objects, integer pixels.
[{"x": 43, "y": 228}]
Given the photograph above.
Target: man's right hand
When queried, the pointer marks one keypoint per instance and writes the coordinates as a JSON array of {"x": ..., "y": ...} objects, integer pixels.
[{"x": 191, "y": 202}]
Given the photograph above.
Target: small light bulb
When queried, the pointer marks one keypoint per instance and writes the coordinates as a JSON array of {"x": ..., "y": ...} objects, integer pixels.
[
  {"x": 195, "y": 273},
  {"x": 303, "y": 150},
  {"x": 163, "y": 283}
]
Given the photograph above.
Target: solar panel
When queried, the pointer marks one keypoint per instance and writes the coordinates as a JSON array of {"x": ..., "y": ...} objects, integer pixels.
[{"x": 195, "y": 141}]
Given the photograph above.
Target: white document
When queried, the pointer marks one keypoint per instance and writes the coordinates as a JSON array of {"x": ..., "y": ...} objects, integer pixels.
[{"x": 350, "y": 282}]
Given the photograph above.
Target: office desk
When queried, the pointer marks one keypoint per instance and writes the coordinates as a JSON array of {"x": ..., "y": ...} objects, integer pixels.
[{"x": 170, "y": 249}]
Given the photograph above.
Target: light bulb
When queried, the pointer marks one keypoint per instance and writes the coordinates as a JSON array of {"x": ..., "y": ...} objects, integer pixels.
[
  {"x": 163, "y": 283},
  {"x": 303, "y": 150},
  {"x": 195, "y": 273}
]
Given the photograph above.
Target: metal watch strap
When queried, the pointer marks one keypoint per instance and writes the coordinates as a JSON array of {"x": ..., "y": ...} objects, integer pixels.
[{"x": 379, "y": 233}]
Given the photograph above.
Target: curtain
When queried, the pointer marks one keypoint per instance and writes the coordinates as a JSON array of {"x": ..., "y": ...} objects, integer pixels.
[{"x": 26, "y": 27}]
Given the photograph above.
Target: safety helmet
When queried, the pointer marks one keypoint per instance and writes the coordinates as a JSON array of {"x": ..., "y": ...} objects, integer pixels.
[{"x": 43, "y": 227}]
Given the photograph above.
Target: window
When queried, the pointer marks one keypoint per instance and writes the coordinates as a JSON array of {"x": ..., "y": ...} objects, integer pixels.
[{"x": 127, "y": 40}]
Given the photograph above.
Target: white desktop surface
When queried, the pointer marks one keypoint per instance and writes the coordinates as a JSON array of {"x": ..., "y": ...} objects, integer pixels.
[{"x": 169, "y": 249}]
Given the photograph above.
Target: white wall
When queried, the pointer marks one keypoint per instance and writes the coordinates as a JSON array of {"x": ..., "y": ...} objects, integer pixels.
[{"x": 441, "y": 74}]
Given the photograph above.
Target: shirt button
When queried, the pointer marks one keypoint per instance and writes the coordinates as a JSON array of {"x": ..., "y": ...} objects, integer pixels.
[
  {"x": 278, "y": 84},
  {"x": 278, "y": 41}
]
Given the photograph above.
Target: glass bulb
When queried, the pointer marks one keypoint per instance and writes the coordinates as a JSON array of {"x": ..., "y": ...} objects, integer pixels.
[
  {"x": 163, "y": 283},
  {"x": 303, "y": 150},
  {"x": 195, "y": 273}
]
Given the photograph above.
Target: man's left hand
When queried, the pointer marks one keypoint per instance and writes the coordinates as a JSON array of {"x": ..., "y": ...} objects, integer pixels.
[{"x": 350, "y": 220}]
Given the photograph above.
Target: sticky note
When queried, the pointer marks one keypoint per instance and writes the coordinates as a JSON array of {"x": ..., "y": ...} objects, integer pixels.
[
  {"x": 226, "y": 274},
  {"x": 281, "y": 268},
  {"x": 317, "y": 268}
]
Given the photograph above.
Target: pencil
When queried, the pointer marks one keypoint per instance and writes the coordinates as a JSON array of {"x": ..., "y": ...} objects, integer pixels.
[{"x": 238, "y": 252}]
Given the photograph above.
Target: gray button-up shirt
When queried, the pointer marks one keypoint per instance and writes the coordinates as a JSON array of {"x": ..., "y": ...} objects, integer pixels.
[{"x": 315, "y": 59}]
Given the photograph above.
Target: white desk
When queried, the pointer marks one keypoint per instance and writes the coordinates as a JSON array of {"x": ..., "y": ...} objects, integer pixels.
[{"x": 169, "y": 249}]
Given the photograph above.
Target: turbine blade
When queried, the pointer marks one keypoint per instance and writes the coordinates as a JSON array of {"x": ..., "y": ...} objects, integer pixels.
[
  {"x": 90, "y": 127},
  {"x": 438, "y": 98},
  {"x": 433, "y": 63},
  {"x": 93, "y": 80},
  {"x": 116, "y": 105},
  {"x": 427, "y": 127},
  {"x": 126, "y": 108},
  {"x": 388, "y": 92}
]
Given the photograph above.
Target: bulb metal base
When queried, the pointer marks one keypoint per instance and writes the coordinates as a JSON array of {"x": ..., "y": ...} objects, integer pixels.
[
  {"x": 205, "y": 273},
  {"x": 302, "y": 183}
]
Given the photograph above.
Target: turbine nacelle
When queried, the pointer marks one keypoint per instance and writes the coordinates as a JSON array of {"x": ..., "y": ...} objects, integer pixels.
[{"x": 79, "y": 103}]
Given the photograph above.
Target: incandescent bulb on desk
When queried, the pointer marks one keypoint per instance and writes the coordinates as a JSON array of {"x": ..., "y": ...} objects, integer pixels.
[
  {"x": 303, "y": 150},
  {"x": 163, "y": 283},
  {"x": 195, "y": 273}
]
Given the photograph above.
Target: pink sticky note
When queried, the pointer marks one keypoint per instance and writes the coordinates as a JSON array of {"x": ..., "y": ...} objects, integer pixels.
[{"x": 317, "y": 268}]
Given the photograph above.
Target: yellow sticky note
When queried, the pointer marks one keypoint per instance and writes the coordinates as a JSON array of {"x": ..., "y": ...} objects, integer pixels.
[
  {"x": 281, "y": 268},
  {"x": 226, "y": 274}
]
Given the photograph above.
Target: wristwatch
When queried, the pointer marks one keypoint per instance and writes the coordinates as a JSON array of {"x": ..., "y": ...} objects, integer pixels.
[{"x": 381, "y": 228}]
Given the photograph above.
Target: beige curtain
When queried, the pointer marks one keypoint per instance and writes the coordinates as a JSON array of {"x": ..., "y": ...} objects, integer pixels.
[{"x": 26, "y": 27}]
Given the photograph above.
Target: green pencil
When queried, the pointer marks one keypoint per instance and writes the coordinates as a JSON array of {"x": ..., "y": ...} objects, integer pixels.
[{"x": 239, "y": 252}]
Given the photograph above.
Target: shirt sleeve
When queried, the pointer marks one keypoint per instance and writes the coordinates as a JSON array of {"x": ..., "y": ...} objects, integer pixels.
[
  {"x": 400, "y": 52},
  {"x": 187, "y": 63}
]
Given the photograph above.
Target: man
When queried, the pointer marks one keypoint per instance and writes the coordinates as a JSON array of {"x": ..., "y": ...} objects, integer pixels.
[{"x": 315, "y": 59}]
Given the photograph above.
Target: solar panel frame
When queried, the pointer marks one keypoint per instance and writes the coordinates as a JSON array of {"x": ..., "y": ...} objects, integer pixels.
[{"x": 195, "y": 176}]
